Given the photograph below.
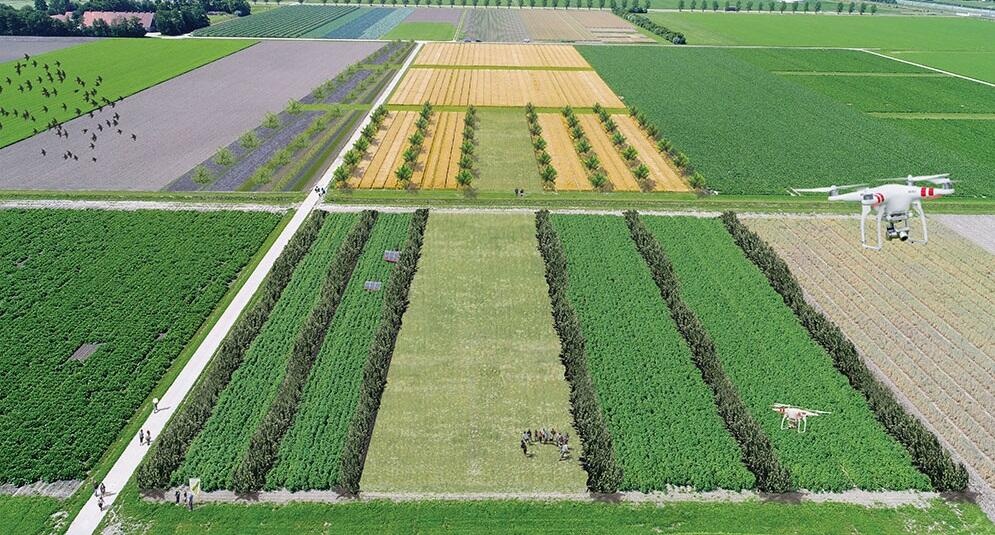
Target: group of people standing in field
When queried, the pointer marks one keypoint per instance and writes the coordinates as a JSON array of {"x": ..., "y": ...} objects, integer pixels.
[{"x": 546, "y": 436}]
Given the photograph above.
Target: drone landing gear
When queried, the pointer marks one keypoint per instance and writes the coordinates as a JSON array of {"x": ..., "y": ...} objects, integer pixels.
[
  {"x": 898, "y": 226},
  {"x": 801, "y": 424}
]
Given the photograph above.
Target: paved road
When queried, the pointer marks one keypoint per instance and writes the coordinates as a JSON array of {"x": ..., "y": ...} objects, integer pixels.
[{"x": 89, "y": 518}]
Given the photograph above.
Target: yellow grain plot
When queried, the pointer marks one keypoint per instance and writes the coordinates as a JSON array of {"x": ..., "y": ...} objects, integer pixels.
[
  {"x": 662, "y": 171},
  {"x": 437, "y": 167},
  {"x": 500, "y": 55},
  {"x": 499, "y": 87},
  {"x": 390, "y": 143},
  {"x": 570, "y": 174},
  {"x": 618, "y": 172}
]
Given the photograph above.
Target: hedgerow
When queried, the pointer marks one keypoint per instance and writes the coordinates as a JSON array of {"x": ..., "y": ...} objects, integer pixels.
[
  {"x": 927, "y": 453},
  {"x": 598, "y": 458},
  {"x": 468, "y": 160},
  {"x": 644, "y": 22},
  {"x": 250, "y": 474},
  {"x": 375, "y": 371},
  {"x": 169, "y": 447},
  {"x": 758, "y": 453}
]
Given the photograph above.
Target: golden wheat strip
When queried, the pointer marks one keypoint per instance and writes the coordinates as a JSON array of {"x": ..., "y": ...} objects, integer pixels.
[
  {"x": 452, "y": 166},
  {"x": 381, "y": 149},
  {"x": 421, "y": 163},
  {"x": 611, "y": 160},
  {"x": 662, "y": 171},
  {"x": 386, "y": 177},
  {"x": 570, "y": 175},
  {"x": 363, "y": 167}
]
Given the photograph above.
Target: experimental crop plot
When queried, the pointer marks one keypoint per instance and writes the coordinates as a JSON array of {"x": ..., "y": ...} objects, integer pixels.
[{"x": 499, "y": 55}]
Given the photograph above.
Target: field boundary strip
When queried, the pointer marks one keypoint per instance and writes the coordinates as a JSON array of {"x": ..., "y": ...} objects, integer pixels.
[
  {"x": 131, "y": 206},
  {"x": 89, "y": 518}
]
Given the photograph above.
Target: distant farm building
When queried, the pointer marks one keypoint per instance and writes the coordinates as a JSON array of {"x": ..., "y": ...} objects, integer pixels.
[{"x": 147, "y": 19}]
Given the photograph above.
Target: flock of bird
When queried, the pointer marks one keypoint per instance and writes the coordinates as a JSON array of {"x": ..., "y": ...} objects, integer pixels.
[{"x": 32, "y": 75}]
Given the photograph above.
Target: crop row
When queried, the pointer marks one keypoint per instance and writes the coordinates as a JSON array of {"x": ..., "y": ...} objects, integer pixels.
[
  {"x": 310, "y": 454},
  {"x": 661, "y": 415},
  {"x": 415, "y": 147},
  {"x": 250, "y": 474},
  {"x": 170, "y": 447},
  {"x": 381, "y": 350},
  {"x": 170, "y": 269},
  {"x": 546, "y": 170},
  {"x": 926, "y": 453},
  {"x": 293, "y": 21},
  {"x": 770, "y": 358},
  {"x": 214, "y": 454}
]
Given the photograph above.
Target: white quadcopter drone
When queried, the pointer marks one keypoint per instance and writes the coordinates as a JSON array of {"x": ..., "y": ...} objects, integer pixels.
[
  {"x": 893, "y": 203},
  {"x": 794, "y": 417}
]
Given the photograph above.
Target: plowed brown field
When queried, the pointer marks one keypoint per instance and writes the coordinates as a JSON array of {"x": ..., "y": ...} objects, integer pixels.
[{"x": 923, "y": 315}]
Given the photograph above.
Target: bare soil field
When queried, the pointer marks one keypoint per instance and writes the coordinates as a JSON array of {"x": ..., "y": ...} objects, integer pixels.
[
  {"x": 177, "y": 124},
  {"x": 922, "y": 315},
  {"x": 496, "y": 87},
  {"x": 500, "y": 55},
  {"x": 580, "y": 26},
  {"x": 422, "y": 14},
  {"x": 12, "y": 48}
]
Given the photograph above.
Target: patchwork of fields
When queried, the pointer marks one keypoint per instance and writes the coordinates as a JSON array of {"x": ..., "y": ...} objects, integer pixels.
[
  {"x": 81, "y": 350},
  {"x": 342, "y": 22}
]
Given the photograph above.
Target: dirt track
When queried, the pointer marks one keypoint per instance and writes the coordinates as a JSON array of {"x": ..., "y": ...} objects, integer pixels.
[{"x": 179, "y": 123}]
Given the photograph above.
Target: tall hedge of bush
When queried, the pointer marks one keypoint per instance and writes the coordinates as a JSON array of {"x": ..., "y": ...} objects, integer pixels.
[
  {"x": 758, "y": 453},
  {"x": 170, "y": 447},
  {"x": 927, "y": 453},
  {"x": 375, "y": 371},
  {"x": 604, "y": 474},
  {"x": 250, "y": 474},
  {"x": 644, "y": 22}
]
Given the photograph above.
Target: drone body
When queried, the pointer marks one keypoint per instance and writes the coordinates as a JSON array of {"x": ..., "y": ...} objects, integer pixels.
[
  {"x": 795, "y": 417},
  {"x": 892, "y": 204}
]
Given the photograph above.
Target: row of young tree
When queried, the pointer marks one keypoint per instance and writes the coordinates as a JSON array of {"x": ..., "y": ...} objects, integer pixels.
[
  {"x": 172, "y": 17},
  {"x": 666, "y": 148},
  {"x": 794, "y": 7},
  {"x": 546, "y": 170},
  {"x": 628, "y": 153},
  {"x": 555, "y": 4},
  {"x": 467, "y": 163},
  {"x": 596, "y": 173},
  {"x": 352, "y": 157},
  {"x": 416, "y": 142}
]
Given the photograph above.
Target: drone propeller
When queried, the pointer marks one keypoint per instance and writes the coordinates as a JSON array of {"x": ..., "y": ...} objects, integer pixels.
[
  {"x": 932, "y": 179},
  {"x": 827, "y": 189}
]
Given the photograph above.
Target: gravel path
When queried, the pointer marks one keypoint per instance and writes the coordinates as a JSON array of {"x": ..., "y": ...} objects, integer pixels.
[
  {"x": 16, "y": 47},
  {"x": 131, "y": 206},
  {"x": 179, "y": 123}
]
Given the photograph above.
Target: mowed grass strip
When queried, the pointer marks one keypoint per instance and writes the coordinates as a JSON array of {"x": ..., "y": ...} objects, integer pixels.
[
  {"x": 310, "y": 455},
  {"x": 770, "y": 358},
  {"x": 126, "y": 66},
  {"x": 663, "y": 419},
  {"x": 506, "y": 160},
  {"x": 476, "y": 363},
  {"x": 216, "y": 451}
]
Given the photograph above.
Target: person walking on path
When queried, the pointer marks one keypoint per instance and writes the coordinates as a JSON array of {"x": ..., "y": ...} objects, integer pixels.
[
  {"x": 100, "y": 503},
  {"x": 96, "y": 489},
  {"x": 155, "y": 405},
  {"x": 190, "y": 501},
  {"x": 177, "y": 497},
  {"x": 103, "y": 489},
  {"x": 141, "y": 437}
]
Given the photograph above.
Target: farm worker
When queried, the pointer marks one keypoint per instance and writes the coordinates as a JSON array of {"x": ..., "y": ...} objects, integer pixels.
[
  {"x": 100, "y": 503},
  {"x": 564, "y": 451},
  {"x": 177, "y": 497},
  {"x": 525, "y": 448},
  {"x": 96, "y": 488},
  {"x": 190, "y": 501}
]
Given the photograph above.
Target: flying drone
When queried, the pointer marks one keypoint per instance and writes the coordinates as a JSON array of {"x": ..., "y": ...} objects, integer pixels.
[
  {"x": 794, "y": 417},
  {"x": 894, "y": 204}
]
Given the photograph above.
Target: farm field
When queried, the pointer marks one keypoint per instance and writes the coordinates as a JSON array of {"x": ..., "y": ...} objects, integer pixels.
[
  {"x": 500, "y": 87},
  {"x": 476, "y": 363},
  {"x": 218, "y": 448},
  {"x": 265, "y": 76},
  {"x": 494, "y": 25},
  {"x": 377, "y": 171},
  {"x": 979, "y": 65},
  {"x": 437, "y": 166},
  {"x": 424, "y": 31},
  {"x": 662, "y": 417},
  {"x": 558, "y": 517},
  {"x": 291, "y": 21},
  {"x": 618, "y": 171},
  {"x": 310, "y": 455},
  {"x": 499, "y": 55},
  {"x": 505, "y": 155},
  {"x": 570, "y": 174},
  {"x": 937, "y": 94},
  {"x": 931, "y": 341},
  {"x": 736, "y": 142},
  {"x": 754, "y": 332},
  {"x": 14, "y": 47},
  {"x": 170, "y": 270},
  {"x": 580, "y": 26},
  {"x": 891, "y": 33},
  {"x": 823, "y": 61},
  {"x": 967, "y": 139},
  {"x": 662, "y": 170},
  {"x": 125, "y": 66}
]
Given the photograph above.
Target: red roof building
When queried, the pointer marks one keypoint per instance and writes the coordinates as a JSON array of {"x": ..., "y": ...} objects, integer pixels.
[{"x": 146, "y": 18}]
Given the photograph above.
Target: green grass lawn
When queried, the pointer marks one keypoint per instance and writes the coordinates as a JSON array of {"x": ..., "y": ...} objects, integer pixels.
[
  {"x": 506, "y": 158},
  {"x": 33, "y": 514},
  {"x": 422, "y": 31},
  {"x": 564, "y": 518},
  {"x": 476, "y": 363},
  {"x": 126, "y": 66},
  {"x": 980, "y": 65},
  {"x": 867, "y": 31}
]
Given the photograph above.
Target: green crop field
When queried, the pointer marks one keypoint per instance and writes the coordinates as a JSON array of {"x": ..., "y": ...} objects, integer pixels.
[
  {"x": 980, "y": 65},
  {"x": 821, "y": 60},
  {"x": 506, "y": 159},
  {"x": 216, "y": 451},
  {"x": 970, "y": 140},
  {"x": 424, "y": 31},
  {"x": 125, "y": 66},
  {"x": 475, "y": 364},
  {"x": 748, "y": 130},
  {"x": 943, "y": 94},
  {"x": 57, "y": 416},
  {"x": 661, "y": 415},
  {"x": 770, "y": 358},
  {"x": 893, "y": 32},
  {"x": 310, "y": 455},
  {"x": 290, "y": 21},
  {"x": 24, "y": 514}
]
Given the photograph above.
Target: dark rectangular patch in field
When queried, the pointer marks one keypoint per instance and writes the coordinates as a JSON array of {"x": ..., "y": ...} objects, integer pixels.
[{"x": 85, "y": 351}]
